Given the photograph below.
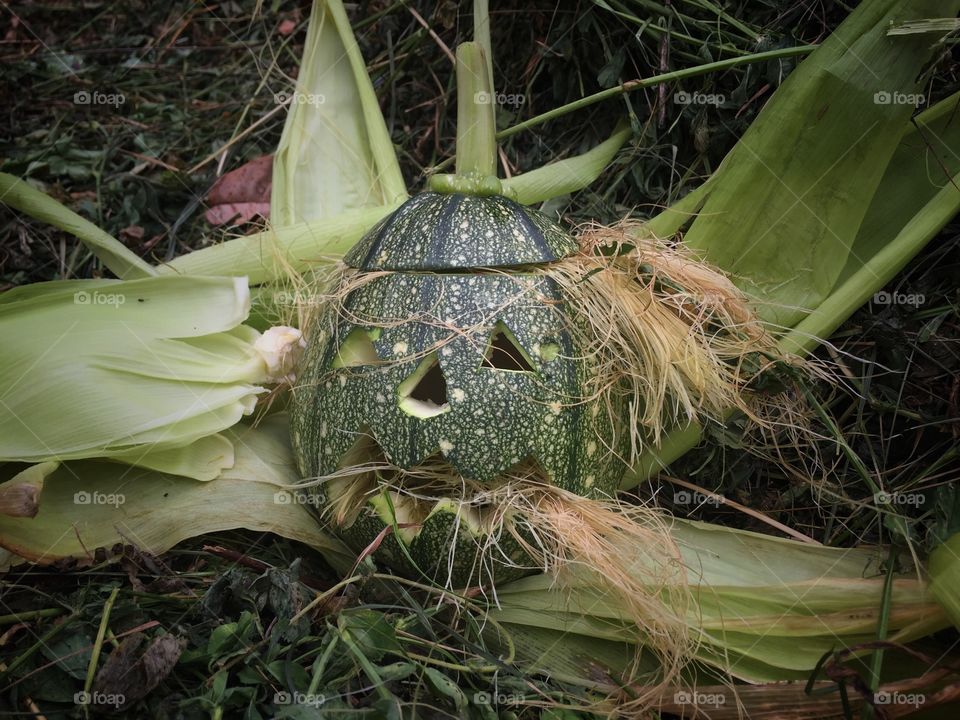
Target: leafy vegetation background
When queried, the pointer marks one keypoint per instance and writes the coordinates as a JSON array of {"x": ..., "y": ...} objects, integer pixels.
[{"x": 199, "y": 84}]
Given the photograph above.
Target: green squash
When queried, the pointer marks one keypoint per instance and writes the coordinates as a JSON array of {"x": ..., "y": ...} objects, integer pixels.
[{"x": 450, "y": 347}]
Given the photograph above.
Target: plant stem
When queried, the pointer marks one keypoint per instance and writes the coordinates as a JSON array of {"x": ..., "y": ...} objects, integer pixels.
[
  {"x": 651, "y": 81},
  {"x": 481, "y": 36},
  {"x": 476, "y": 144},
  {"x": 30, "y": 615},
  {"x": 98, "y": 643},
  {"x": 876, "y": 661}
]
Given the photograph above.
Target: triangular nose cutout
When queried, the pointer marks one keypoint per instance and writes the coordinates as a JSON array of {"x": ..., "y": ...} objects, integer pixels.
[
  {"x": 505, "y": 353},
  {"x": 424, "y": 393},
  {"x": 356, "y": 350}
]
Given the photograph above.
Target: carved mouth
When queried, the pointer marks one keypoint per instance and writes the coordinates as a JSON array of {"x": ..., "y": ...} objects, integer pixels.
[{"x": 366, "y": 475}]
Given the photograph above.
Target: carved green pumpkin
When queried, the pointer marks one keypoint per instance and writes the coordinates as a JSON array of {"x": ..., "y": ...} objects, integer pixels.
[{"x": 450, "y": 347}]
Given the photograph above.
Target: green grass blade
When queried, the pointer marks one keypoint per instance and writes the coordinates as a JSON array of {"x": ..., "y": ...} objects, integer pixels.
[{"x": 112, "y": 253}]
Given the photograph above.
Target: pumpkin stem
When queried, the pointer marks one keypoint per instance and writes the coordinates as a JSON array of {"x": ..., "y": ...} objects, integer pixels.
[{"x": 476, "y": 121}]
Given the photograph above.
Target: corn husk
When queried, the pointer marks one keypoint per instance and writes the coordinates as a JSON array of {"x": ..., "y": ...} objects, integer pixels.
[
  {"x": 568, "y": 175},
  {"x": 335, "y": 171},
  {"x": 271, "y": 254},
  {"x": 89, "y": 504},
  {"x": 790, "y": 198},
  {"x": 911, "y": 196},
  {"x": 149, "y": 372},
  {"x": 944, "y": 569},
  {"x": 766, "y": 609},
  {"x": 335, "y": 153}
]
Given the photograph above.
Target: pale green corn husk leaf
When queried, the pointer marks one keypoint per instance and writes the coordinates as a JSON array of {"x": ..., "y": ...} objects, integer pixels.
[
  {"x": 335, "y": 153},
  {"x": 275, "y": 252},
  {"x": 766, "y": 608},
  {"x": 944, "y": 569},
  {"x": 112, "y": 253},
  {"x": 566, "y": 176},
  {"x": 135, "y": 370},
  {"x": 790, "y": 198},
  {"x": 90, "y": 504},
  {"x": 335, "y": 171},
  {"x": 916, "y": 197}
]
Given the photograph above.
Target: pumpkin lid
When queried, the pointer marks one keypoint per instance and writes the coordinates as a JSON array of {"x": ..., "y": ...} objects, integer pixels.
[{"x": 434, "y": 231}]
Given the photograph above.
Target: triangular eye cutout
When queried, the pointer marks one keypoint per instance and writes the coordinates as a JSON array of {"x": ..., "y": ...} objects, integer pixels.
[
  {"x": 424, "y": 393},
  {"x": 357, "y": 349},
  {"x": 505, "y": 353}
]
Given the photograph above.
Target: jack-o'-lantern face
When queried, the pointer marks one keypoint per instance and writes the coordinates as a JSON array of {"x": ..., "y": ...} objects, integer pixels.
[{"x": 448, "y": 348}]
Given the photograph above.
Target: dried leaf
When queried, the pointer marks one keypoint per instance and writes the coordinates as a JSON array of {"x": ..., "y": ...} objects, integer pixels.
[{"x": 242, "y": 194}]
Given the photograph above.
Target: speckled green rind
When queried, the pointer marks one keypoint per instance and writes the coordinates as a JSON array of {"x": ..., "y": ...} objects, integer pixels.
[
  {"x": 434, "y": 231},
  {"x": 496, "y": 419}
]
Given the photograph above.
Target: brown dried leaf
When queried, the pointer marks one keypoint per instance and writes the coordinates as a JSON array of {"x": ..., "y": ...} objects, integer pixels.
[
  {"x": 129, "y": 675},
  {"x": 242, "y": 194}
]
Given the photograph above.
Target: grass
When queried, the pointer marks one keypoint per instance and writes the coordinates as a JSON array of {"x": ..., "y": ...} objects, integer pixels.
[{"x": 198, "y": 84}]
